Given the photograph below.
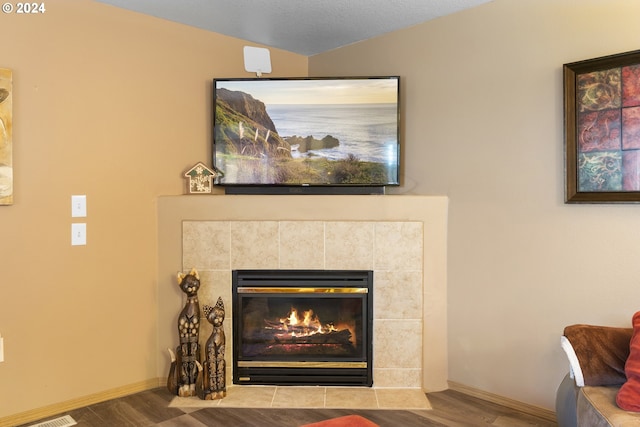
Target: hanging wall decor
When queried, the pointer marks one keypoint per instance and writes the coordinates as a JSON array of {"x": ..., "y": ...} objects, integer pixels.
[
  {"x": 602, "y": 129},
  {"x": 6, "y": 127}
]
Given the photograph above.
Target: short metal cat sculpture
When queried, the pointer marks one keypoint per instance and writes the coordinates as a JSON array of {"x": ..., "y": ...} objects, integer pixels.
[
  {"x": 212, "y": 384},
  {"x": 183, "y": 372}
]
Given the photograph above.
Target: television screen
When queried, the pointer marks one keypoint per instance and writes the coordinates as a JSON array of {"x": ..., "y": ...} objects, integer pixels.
[{"x": 307, "y": 131}]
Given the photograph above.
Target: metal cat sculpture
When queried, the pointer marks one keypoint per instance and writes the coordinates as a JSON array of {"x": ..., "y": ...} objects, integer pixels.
[{"x": 183, "y": 372}]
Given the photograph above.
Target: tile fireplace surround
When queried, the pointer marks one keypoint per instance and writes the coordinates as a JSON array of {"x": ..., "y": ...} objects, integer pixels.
[{"x": 401, "y": 238}]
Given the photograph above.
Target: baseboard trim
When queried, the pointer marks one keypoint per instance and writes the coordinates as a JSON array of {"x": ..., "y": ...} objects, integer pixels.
[
  {"x": 504, "y": 401},
  {"x": 69, "y": 405}
]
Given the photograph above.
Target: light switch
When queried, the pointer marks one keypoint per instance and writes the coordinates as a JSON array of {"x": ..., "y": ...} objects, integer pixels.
[
  {"x": 79, "y": 206},
  {"x": 78, "y": 234}
]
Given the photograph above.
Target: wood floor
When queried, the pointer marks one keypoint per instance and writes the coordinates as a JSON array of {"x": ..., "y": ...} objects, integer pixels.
[{"x": 150, "y": 408}]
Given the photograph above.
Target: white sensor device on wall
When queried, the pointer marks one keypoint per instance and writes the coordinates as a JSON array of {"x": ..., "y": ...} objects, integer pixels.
[{"x": 257, "y": 59}]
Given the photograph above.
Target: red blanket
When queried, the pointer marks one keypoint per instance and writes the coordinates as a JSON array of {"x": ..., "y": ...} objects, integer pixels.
[{"x": 346, "y": 421}]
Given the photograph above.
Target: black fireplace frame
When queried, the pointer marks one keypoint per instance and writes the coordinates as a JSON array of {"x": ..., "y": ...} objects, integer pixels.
[{"x": 353, "y": 371}]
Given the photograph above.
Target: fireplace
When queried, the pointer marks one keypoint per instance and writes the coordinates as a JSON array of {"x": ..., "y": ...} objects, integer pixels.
[{"x": 302, "y": 327}]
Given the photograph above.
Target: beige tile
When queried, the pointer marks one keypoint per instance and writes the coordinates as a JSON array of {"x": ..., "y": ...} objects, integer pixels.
[
  {"x": 311, "y": 397},
  {"x": 402, "y": 399},
  {"x": 397, "y": 344},
  {"x": 205, "y": 245},
  {"x": 351, "y": 397},
  {"x": 302, "y": 244},
  {"x": 297, "y": 244},
  {"x": 299, "y": 397},
  {"x": 248, "y": 397},
  {"x": 398, "y": 246},
  {"x": 397, "y": 295},
  {"x": 397, "y": 377},
  {"x": 349, "y": 245},
  {"x": 254, "y": 244},
  {"x": 214, "y": 284}
]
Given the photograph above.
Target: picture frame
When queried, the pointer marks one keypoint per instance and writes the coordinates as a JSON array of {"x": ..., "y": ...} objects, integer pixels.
[
  {"x": 602, "y": 129},
  {"x": 6, "y": 131}
]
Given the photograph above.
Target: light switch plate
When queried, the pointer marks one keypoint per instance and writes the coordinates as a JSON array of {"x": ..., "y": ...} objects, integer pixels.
[
  {"x": 78, "y": 234},
  {"x": 1, "y": 349},
  {"x": 79, "y": 206}
]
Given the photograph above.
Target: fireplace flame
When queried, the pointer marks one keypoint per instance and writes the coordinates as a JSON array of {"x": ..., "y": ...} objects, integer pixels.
[
  {"x": 306, "y": 328},
  {"x": 305, "y": 324},
  {"x": 308, "y": 320},
  {"x": 292, "y": 319}
]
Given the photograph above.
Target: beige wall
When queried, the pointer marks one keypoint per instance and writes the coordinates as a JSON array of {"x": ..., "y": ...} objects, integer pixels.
[
  {"x": 114, "y": 105},
  {"x": 482, "y": 101}
]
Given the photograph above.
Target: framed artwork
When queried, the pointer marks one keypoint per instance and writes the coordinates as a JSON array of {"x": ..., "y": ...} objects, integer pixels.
[
  {"x": 602, "y": 129},
  {"x": 6, "y": 126}
]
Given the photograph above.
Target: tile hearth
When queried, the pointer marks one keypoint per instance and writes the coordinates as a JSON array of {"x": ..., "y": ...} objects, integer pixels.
[{"x": 312, "y": 397}]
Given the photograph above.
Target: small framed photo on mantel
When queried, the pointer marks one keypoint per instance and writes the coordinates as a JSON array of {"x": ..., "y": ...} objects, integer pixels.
[{"x": 602, "y": 129}]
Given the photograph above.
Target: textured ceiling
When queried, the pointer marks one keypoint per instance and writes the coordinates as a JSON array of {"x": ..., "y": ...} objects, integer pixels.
[{"x": 307, "y": 27}]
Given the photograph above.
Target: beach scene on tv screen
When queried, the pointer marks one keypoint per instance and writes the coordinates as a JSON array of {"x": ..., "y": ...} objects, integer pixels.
[{"x": 307, "y": 131}]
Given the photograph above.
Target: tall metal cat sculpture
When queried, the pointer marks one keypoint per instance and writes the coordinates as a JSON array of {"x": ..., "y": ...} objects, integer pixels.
[
  {"x": 183, "y": 372},
  {"x": 212, "y": 384}
]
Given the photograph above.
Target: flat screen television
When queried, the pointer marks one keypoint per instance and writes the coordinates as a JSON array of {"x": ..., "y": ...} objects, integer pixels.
[{"x": 307, "y": 135}]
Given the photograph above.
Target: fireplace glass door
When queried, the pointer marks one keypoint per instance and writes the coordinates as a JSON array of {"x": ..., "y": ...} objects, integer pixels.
[{"x": 308, "y": 327}]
